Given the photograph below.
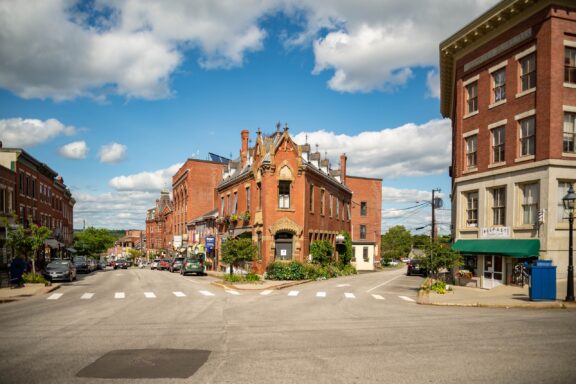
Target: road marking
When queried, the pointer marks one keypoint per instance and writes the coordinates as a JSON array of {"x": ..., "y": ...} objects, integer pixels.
[
  {"x": 406, "y": 298},
  {"x": 320, "y": 294},
  {"x": 342, "y": 285},
  {"x": 266, "y": 292},
  {"x": 206, "y": 293},
  {"x": 87, "y": 296},
  {"x": 349, "y": 295},
  {"x": 293, "y": 293},
  {"x": 384, "y": 283},
  {"x": 179, "y": 294},
  {"x": 150, "y": 295},
  {"x": 378, "y": 297},
  {"x": 119, "y": 295},
  {"x": 232, "y": 292},
  {"x": 55, "y": 296}
]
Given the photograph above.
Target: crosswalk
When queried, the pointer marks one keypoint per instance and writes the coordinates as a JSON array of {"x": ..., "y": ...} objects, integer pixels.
[{"x": 227, "y": 292}]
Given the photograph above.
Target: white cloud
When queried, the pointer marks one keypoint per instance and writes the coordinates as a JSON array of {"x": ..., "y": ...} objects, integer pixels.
[
  {"x": 145, "y": 181},
  {"x": 115, "y": 210},
  {"x": 112, "y": 153},
  {"x": 23, "y": 133},
  {"x": 385, "y": 153},
  {"x": 132, "y": 47},
  {"x": 433, "y": 84},
  {"x": 76, "y": 150}
]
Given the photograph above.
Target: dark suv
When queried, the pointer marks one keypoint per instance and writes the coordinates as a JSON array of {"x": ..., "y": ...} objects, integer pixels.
[{"x": 414, "y": 268}]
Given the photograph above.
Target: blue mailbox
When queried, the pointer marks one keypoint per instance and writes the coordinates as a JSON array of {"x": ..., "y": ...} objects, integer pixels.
[{"x": 542, "y": 280}]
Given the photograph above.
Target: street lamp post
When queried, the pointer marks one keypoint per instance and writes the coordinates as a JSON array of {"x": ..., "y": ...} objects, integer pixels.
[{"x": 568, "y": 202}]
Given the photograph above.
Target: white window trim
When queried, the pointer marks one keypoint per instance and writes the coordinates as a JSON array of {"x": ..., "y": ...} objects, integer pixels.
[
  {"x": 471, "y": 114},
  {"x": 470, "y": 133},
  {"x": 570, "y": 43},
  {"x": 524, "y": 115},
  {"x": 526, "y": 92},
  {"x": 525, "y": 53},
  {"x": 497, "y": 103},
  {"x": 497, "y": 124},
  {"x": 471, "y": 80},
  {"x": 498, "y": 66},
  {"x": 568, "y": 108}
]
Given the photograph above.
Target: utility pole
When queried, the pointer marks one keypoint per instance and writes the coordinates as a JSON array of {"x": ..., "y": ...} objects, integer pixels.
[{"x": 433, "y": 236}]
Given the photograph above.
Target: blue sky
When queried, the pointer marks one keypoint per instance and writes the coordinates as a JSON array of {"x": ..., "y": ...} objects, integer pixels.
[{"x": 116, "y": 94}]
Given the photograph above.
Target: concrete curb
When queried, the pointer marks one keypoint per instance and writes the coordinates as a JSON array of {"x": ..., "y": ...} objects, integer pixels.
[{"x": 255, "y": 287}]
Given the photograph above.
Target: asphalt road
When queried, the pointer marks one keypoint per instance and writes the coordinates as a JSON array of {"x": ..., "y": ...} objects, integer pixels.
[{"x": 152, "y": 326}]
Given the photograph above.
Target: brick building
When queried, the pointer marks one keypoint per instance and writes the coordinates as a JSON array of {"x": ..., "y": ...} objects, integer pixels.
[
  {"x": 40, "y": 196},
  {"x": 7, "y": 204},
  {"x": 156, "y": 241},
  {"x": 508, "y": 82}
]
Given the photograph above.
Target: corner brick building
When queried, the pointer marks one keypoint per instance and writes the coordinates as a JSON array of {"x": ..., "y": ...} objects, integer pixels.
[{"x": 508, "y": 82}]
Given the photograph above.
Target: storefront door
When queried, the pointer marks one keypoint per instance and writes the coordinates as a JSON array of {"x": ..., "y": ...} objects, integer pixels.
[{"x": 492, "y": 271}]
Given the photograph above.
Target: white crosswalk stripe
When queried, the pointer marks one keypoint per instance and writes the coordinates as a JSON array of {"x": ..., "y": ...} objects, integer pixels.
[
  {"x": 119, "y": 295},
  {"x": 293, "y": 293},
  {"x": 206, "y": 293},
  {"x": 343, "y": 285},
  {"x": 150, "y": 295},
  {"x": 179, "y": 294},
  {"x": 320, "y": 294},
  {"x": 54, "y": 296},
  {"x": 349, "y": 295},
  {"x": 266, "y": 292},
  {"x": 232, "y": 292},
  {"x": 378, "y": 297},
  {"x": 87, "y": 296},
  {"x": 406, "y": 298}
]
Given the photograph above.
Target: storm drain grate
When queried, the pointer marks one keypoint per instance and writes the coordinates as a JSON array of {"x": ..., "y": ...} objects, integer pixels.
[{"x": 146, "y": 364}]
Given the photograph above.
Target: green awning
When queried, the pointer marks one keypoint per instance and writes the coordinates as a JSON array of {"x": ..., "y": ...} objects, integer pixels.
[{"x": 506, "y": 247}]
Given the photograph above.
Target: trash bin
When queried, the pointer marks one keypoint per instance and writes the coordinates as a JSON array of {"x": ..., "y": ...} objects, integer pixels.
[{"x": 542, "y": 284}]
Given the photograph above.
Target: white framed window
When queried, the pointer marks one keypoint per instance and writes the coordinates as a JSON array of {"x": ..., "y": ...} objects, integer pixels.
[
  {"x": 284, "y": 194},
  {"x": 563, "y": 187},
  {"x": 472, "y": 209},
  {"x": 472, "y": 97},
  {"x": 362, "y": 231},
  {"x": 248, "y": 198},
  {"x": 498, "y": 149},
  {"x": 235, "y": 203},
  {"x": 331, "y": 205},
  {"x": 530, "y": 198},
  {"x": 569, "y": 134},
  {"x": 527, "y": 136},
  {"x": 499, "y": 85},
  {"x": 322, "y": 201},
  {"x": 528, "y": 72},
  {"x": 471, "y": 151},
  {"x": 499, "y": 206}
]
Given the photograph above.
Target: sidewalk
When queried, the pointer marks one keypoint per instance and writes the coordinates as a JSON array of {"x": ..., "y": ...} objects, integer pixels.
[
  {"x": 11, "y": 294},
  {"x": 503, "y": 296}
]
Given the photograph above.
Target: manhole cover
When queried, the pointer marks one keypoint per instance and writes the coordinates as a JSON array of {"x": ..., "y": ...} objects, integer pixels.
[{"x": 146, "y": 364}]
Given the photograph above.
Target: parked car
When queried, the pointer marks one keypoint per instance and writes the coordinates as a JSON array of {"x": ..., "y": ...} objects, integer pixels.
[
  {"x": 101, "y": 265},
  {"x": 193, "y": 264},
  {"x": 414, "y": 268},
  {"x": 155, "y": 264},
  {"x": 176, "y": 264},
  {"x": 121, "y": 263},
  {"x": 164, "y": 264},
  {"x": 63, "y": 270},
  {"x": 82, "y": 264}
]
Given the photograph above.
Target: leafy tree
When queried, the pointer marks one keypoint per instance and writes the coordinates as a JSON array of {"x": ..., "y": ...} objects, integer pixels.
[
  {"x": 37, "y": 236},
  {"x": 396, "y": 243},
  {"x": 133, "y": 254},
  {"x": 346, "y": 256},
  {"x": 439, "y": 256},
  {"x": 238, "y": 251},
  {"x": 93, "y": 241},
  {"x": 321, "y": 251},
  {"x": 421, "y": 241},
  {"x": 28, "y": 241}
]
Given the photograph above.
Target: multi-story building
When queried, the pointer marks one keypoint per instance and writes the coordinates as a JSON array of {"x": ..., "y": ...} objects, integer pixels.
[
  {"x": 508, "y": 82},
  {"x": 366, "y": 220},
  {"x": 40, "y": 196},
  {"x": 7, "y": 204},
  {"x": 156, "y": 238},
  {"x": 284, "y": 197}
]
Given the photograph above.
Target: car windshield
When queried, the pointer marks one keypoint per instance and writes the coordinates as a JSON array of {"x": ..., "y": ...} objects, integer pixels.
[
  {"x": 61, "y": 264},
  {"x": 80, "y": 259}
]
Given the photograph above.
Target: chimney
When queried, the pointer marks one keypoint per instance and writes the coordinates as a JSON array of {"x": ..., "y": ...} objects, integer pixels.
[
  {"x": 343, "y": 159},
  {"x": 244, "y": 151}
]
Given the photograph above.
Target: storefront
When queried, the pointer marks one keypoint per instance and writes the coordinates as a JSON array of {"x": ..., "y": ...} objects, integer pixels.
[{"x": 493, "y": 261}]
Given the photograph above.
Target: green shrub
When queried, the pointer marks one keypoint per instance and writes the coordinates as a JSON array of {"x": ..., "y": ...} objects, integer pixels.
[
  {"x": 252, "y": 277},
  {"x": 296, "y": 270},
  {"x": 348, "y": 270},
  {"x": 33, "y": 278},
  {"x": 232, "y": 278},
  {"x": 439, "y": 287}
]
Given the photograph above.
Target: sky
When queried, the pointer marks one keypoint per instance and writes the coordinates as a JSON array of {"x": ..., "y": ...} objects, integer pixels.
[{"x": 115, "y": 95}]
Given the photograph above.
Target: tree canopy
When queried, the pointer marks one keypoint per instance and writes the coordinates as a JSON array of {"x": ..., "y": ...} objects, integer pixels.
[
  {"x": 396, "y": 243},
  {"x": 439, "y": 256},
  {"x": 238, "y": 251},
  {"x": 93, "y": 241}
]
